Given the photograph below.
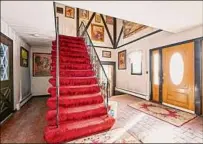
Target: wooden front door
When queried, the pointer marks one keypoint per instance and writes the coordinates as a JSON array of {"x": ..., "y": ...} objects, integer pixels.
[
  {"x": 6, "y": 77},
  {"x": 155, "y": 75},
  {"x": 178, "y": 75}
]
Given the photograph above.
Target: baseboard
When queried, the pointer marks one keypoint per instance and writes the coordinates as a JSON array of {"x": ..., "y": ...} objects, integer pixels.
[
  {"x": 35, "y": 96},
  {"x": 25, "y": 100},
  {"x": 6, "y": 118},
  {"x": 176, "y": 107},
  {"x": 143, "y": 96}
]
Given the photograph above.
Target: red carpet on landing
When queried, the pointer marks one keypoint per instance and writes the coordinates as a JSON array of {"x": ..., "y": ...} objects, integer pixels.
[{"x": 82, "y": 111}]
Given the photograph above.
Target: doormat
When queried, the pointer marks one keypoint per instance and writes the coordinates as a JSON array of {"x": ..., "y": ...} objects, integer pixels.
[
  {"x": 170, "y": 115},
  {"x": 118, "y": 135}
]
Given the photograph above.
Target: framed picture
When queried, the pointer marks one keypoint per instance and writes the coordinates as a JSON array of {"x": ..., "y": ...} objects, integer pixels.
[
  {"x": 70, "y": 12},
  {"x": 109, "y": 20},
  {"x": 84, "y": 14},
  {"x": 130, "y": 28},
  {"x": 106, "y": 54},
  {"x": 136, "y": 63},
  {"x": 41, "y": 64},
  {"x": 24, "y": 57},
  {"x": 59, "y": 10},
  {"x": 122, "y": 60},
  {"x": 97, "y": 33},
  {"x": 98, "y": 18}
]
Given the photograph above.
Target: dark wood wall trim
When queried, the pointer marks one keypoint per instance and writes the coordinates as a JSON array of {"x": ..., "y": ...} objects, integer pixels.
[
  {"x": 103, "y": 47},
  {"x": 89, "y": 22},
  {"x": 119, "y": 37},
  {"x": 198, "y": 76},
  {"x": 77, "y": 21},
  {"x": 114, "y": 72},
  {"x": 150, "y": 74},
  {"x": 152, "y": 33},
  {"x": 160, "y": 76},
  {"x": 114, "y": 32},
  {"x": 107, "y": 29}
]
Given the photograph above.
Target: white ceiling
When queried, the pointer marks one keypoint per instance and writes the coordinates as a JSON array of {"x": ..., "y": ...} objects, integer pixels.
[
  {"x": 172, "y": 16},
  {"x": 36, "y": 17},
  {"x": 30, "y": 17}
]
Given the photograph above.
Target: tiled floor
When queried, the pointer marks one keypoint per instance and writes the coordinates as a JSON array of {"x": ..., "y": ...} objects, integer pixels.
[
  {"x": 27, "y": 125},
  {"x": 149, "y": 129}
]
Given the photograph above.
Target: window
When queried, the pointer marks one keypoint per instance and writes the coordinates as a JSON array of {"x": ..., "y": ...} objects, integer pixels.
[{"x": 136, "y": 63}]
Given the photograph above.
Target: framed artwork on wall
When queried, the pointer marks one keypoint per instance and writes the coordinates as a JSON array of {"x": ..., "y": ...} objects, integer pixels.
[
  {"x": 130, "y": 28},
  {"x": 97, "y": 33},
  {"x": 136, "y": 63},
  {"x": 106, "y": 54},
  {"x": 109, "y": 20},
  {"x": 41, "y": 64},
  {"x": 84, "y": 14},
  {"x": 59, "y": 10},
  {"x": 122, "y": 60},
  {"x": 98, "y": 18},
  {"x": 70, "y": 12},
  {"x": 24, "y": 57}
]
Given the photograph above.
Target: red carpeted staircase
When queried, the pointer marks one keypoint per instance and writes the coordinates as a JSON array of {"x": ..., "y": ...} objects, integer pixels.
[{"x": 82, "y": 111}]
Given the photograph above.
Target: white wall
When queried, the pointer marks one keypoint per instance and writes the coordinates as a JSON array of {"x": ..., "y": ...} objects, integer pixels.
[
  {"x": 40, "y": 85},
  {"x": 18, "y": 72},
  {"x": 141, "y": 83}
]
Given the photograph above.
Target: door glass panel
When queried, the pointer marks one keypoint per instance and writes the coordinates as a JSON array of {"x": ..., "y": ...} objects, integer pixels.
[
  {"x": 176, "y": 68},
  {"x": 156, "y": 69},
  {"x": 4, "y": 64}
]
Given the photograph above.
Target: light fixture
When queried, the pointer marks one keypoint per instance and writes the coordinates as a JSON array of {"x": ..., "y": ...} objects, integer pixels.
[{"x": 35, "y": 35}]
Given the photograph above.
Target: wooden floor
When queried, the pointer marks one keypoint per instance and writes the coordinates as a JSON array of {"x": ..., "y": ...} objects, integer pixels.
[{"x": 27, "y": 125}]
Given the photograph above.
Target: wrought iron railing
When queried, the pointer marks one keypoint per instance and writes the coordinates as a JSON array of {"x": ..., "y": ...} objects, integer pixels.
[{"x": 97, "y": 65}]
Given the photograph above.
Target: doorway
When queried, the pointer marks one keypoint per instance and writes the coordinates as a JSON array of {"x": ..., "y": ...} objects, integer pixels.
[
  {"x": 6, "y": 77},
  {"x": 110, "y": 70},
  {"x": 172, "y": 75},
  {"x": 178, "y": 75}
]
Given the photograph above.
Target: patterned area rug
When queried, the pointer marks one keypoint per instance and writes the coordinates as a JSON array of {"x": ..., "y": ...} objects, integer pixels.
[
  {"x": 118, "y": 135},
  {"x": 170, "y": 115}
]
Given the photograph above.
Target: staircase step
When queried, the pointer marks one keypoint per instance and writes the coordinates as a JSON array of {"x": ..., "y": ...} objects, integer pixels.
[
  {"x": 75, "y": 90},
  {"x": 73, "y": 81},
  {"x": 70, "y": 61},
  {"x": 76, "y": 113},
  {"x": 70, "y": 131},
  {"x": 62, "y": 48},
  {"x": 71, "y": 66},
  {"x": 70, "y": 45},
  {"x": 74, "y": 73},
  {"x": 71, "y": 38},
  {"x": 70, "y": 55},
  {"x": 75, "y": 101}
]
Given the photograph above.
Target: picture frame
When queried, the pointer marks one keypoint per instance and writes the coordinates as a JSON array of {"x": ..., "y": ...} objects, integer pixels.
[
  {"x": 70, "y": 12},
  {"x": 24, "y": 57},
  {"x": 130, "y": 28},
  {"x": 97, "y": 33},
  {"x": 59, "y": 10},
  {"x": 84, "y": 14},
  {"x": 41, "y": 64},
  {"x": 109, "y": 20},
  {"x": 106, "y": 54},
  {"x": 98, "y": 18},
  {"x": 122, "y": 60}
]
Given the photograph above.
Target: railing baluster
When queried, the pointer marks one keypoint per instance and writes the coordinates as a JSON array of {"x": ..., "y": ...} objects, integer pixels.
[{"x": 57, "y": 72}]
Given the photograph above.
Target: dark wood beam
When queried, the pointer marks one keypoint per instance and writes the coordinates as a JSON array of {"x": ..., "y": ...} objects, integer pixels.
[
  {"x": 107, "y": 29},
  {"x": 89, "y": 22},
  {"x": 119, "y": 37},
  {"x": 114, "y": 32}
]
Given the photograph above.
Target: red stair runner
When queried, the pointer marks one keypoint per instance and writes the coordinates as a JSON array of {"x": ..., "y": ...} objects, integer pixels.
[{"x": 81, "y": 106}]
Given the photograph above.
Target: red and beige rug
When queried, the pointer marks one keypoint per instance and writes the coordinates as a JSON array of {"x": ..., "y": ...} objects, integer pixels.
[
  {"x": 118, "y": 135},
  {"x": 170, "y": 115}
]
